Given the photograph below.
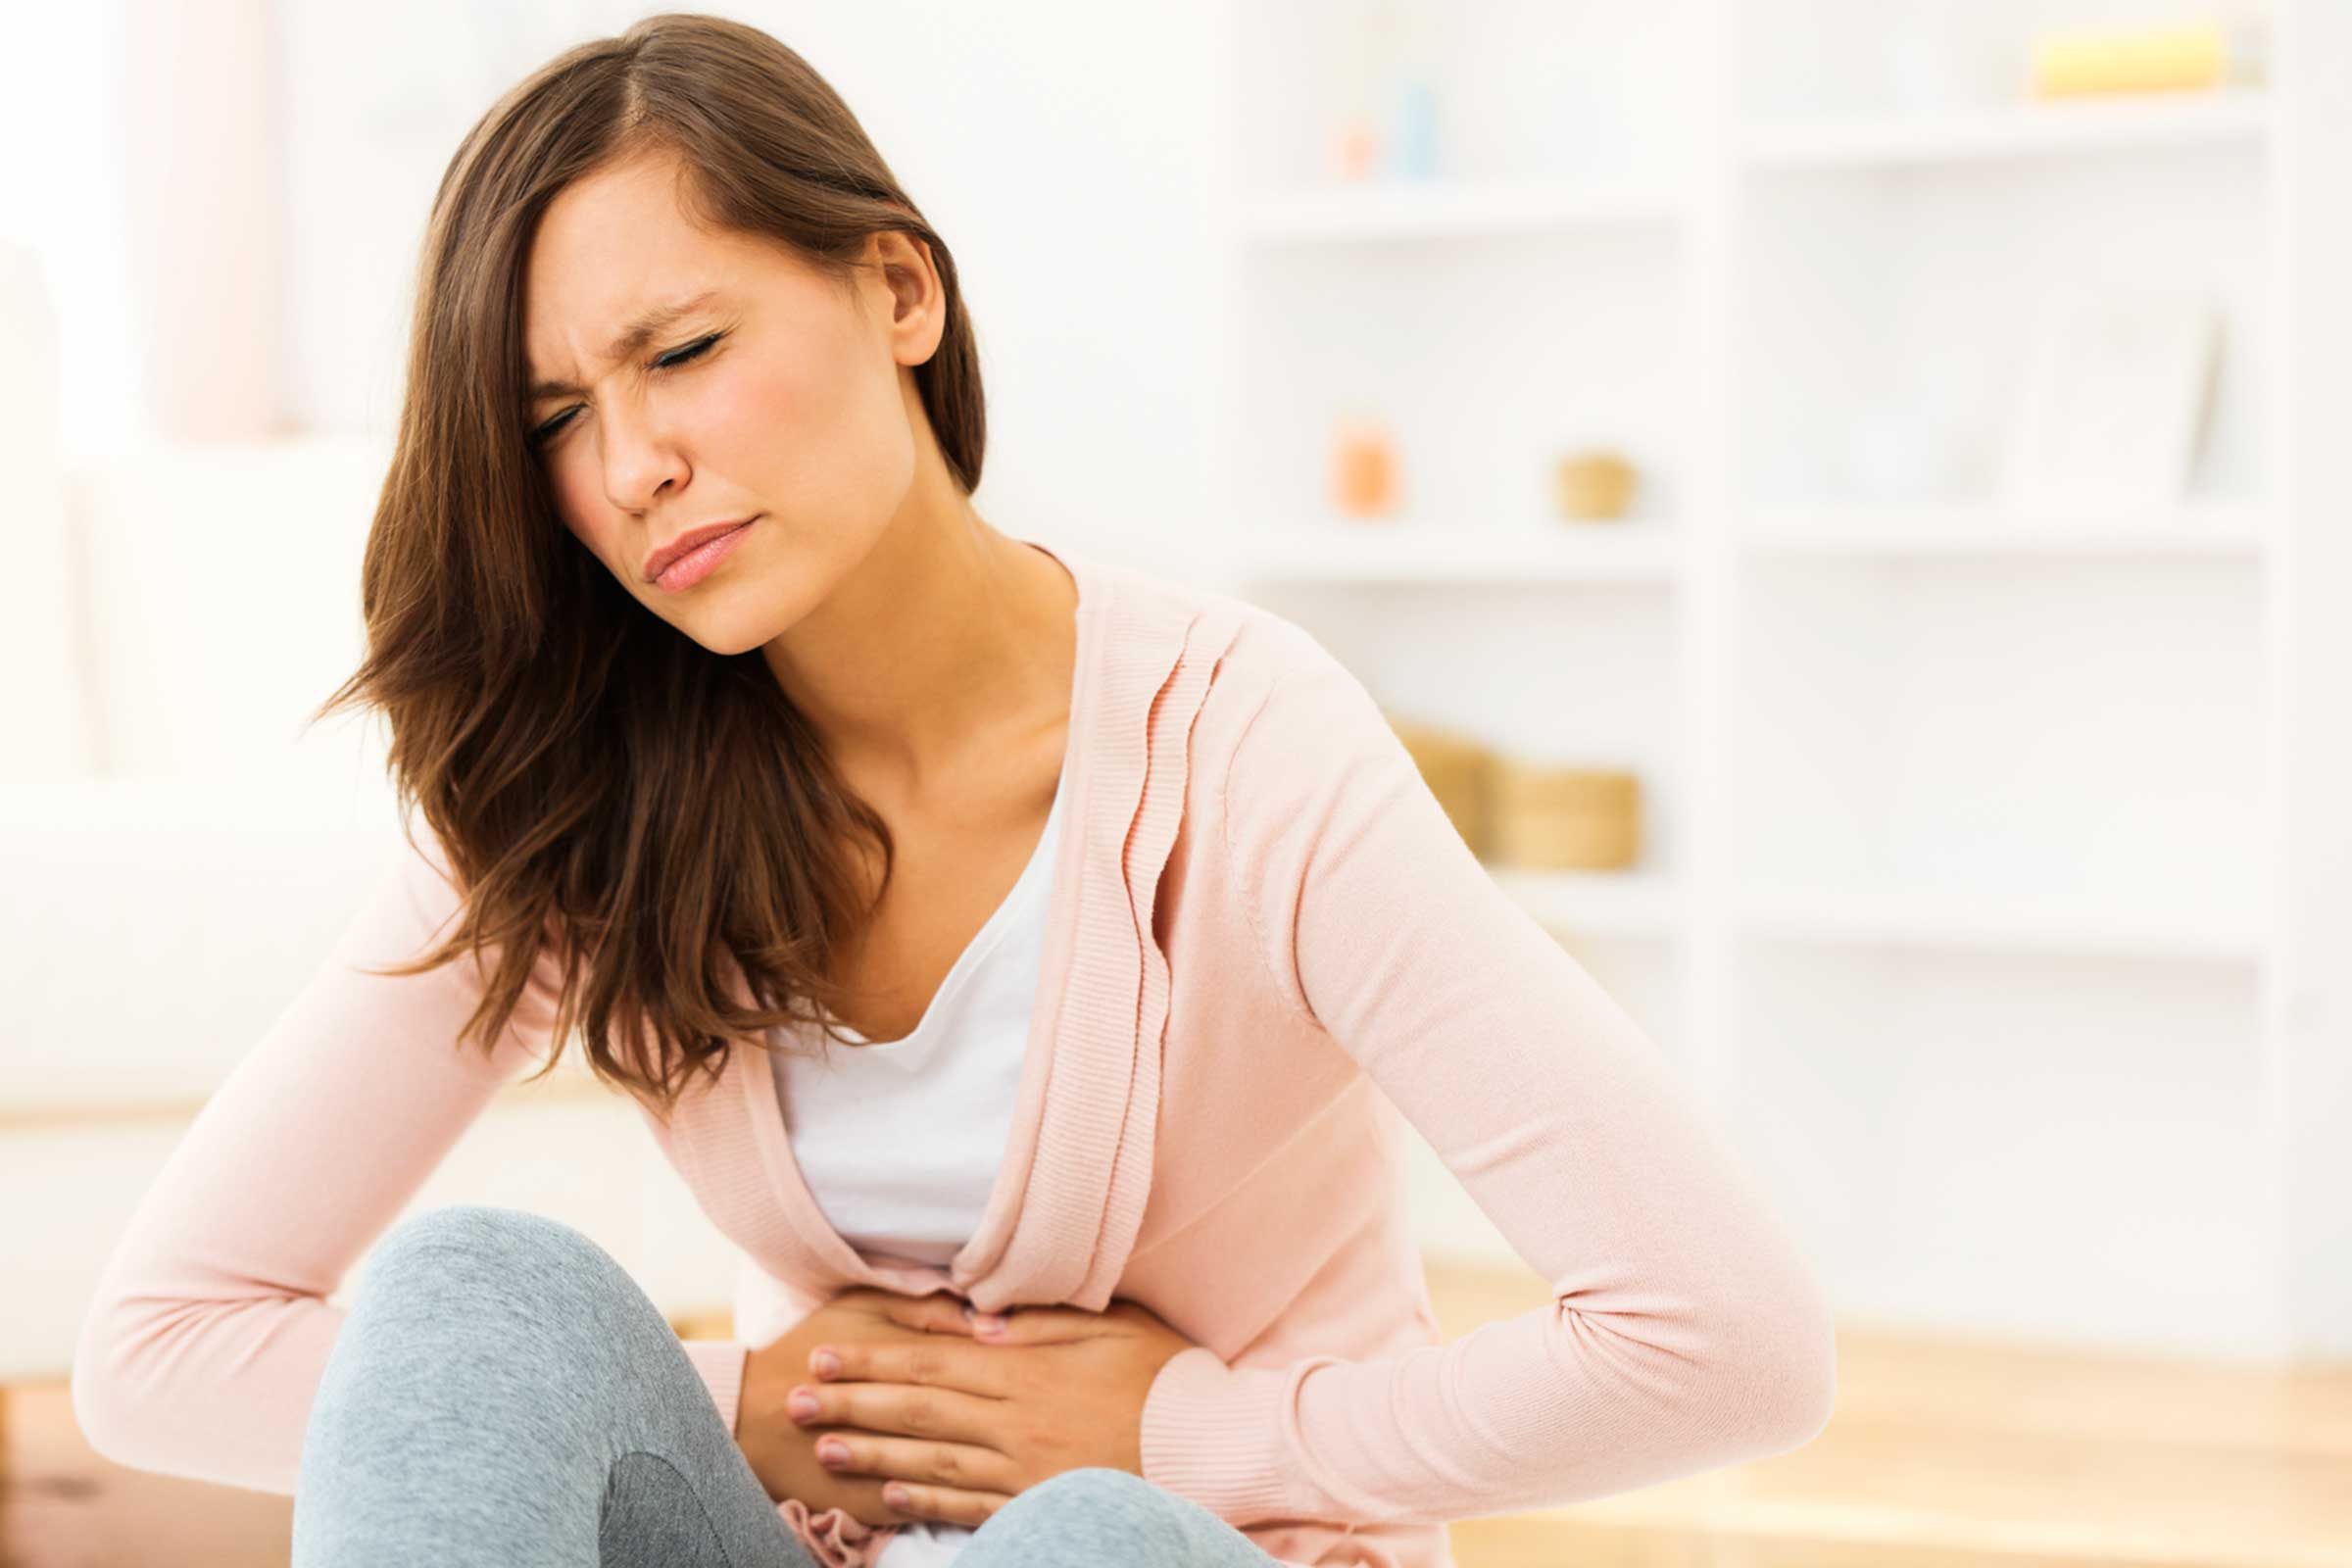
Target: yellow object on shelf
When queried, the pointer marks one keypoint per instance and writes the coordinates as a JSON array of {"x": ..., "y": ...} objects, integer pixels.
[
  {"x": 1526, "y": 814},
  {"x": 1458, "y": 772},
  {"x": 1592, "y": 487},
  {"x": 1566, "y": 818},
  {"x": 2080, "y": 62}
]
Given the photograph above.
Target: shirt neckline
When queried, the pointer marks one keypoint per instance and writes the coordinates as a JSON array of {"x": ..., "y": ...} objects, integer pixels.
[
  {"x": 990, "y": 936},
  {"x": 759, "y": 1091}
]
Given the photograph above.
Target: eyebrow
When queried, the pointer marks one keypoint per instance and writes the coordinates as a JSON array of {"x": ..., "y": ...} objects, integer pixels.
[{"x": 636, "y": 335}]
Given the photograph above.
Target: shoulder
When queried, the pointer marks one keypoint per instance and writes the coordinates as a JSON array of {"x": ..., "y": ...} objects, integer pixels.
[
  {"x": 1255, "y": 653},
  {"x": 1277, "y": 728}
]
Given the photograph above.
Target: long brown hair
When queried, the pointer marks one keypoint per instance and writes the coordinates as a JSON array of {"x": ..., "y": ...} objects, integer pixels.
[{"x": 661, "y": 816}]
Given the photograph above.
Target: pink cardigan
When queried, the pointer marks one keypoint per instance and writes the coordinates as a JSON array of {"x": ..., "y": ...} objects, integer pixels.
[{"x": 1266, "y": 943}]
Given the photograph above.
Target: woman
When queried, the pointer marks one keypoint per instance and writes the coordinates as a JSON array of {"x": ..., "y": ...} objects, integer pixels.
[{"x": 977, "y": 926}]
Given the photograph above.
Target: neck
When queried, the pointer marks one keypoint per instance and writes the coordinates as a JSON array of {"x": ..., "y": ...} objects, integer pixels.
[{"x": 947, "y": 641}]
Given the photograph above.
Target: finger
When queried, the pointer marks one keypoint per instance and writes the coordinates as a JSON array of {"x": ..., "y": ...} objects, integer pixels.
[
  {"x": 944, "y": 1505},
  {"x": 933, "y": 1362},
  {"x": 936, "y": 1313},
  {"x": 955, "y": 1466},
  {"x": 1041, "y": 1325},
  {"x": 908, "y": 1409}
]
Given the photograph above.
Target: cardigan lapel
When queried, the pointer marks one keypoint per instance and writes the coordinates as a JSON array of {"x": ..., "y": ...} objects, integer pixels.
[
  {"x": 1068, "y": 1198},
  {"x": 1103, "y": 987}
]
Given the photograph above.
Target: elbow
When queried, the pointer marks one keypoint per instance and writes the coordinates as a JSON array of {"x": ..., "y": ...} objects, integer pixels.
[
  {"x": 102, "y": 1387},
  {"x": 1790, "y": 1377},
  {"x": 1775, "y": 1343},
  {"x": 93, "y": 1389},
  {"x": 1757, "y": 1369},
  {"x": 1809, "y": 1387}
]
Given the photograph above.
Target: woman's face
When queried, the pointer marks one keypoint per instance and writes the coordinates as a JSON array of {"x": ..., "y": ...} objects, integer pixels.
[{"x": 771, "y": 396}]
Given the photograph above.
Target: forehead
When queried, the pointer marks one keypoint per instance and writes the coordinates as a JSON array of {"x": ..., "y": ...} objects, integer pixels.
[{"x": 611, "y": 247}]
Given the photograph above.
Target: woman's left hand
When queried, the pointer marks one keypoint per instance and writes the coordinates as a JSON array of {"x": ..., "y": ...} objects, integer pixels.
[{"x": 965, "y": 1425}]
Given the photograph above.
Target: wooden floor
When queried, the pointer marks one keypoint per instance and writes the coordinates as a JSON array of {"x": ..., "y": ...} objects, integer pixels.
[{"x": 1941, "y": 1454}]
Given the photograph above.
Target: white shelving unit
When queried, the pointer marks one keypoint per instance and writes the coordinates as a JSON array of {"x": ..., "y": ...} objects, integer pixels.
[
  {"x": 1998, "y": 887},
  {"x": 1330, "y": 552},
  {"x": 2008, "y": 131}
]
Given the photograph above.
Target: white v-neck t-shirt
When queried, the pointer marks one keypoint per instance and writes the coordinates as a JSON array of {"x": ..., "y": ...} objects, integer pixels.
[{"x": 900, "y": 1142}]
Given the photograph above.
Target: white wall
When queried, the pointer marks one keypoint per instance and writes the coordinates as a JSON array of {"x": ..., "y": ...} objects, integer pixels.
[
  {"x": 160, "y": 799},
  {"x": 1873, "y": 807},
  {"x": 1057, "y": 147}
]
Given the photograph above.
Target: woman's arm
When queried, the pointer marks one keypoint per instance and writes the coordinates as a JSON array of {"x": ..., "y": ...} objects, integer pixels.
[
  {"x": 205, "y": 1340},
  {"x": 1687, "y": 1331}
]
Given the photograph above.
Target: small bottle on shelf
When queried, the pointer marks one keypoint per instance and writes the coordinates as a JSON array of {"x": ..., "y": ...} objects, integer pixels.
[{"x": 1363, "y": 474}]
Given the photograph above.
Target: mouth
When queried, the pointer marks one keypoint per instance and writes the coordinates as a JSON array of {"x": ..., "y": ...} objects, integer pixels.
[{"x": 689, "y": 542}]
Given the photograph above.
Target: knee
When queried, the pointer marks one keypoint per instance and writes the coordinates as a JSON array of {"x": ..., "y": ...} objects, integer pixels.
[
  {"x": 1092, "y": 1492},
  {"x": 1082, "y": 1518},
  {"x": 475, "y": 1242},
  {"x": 1096, "y": 1482},
  {"x": 478, "y": 1228}
]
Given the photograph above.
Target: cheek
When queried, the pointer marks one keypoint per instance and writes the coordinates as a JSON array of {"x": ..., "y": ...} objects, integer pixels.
[
  {"x": 731, "y": 425},
  {"x": 812, "y": 432},
  {"x": 579, "y": 501},
  {"x": 748, "y": 418}
]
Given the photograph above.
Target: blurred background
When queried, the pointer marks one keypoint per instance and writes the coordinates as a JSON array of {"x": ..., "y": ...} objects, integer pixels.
[{"x": 1845, "y": 499}]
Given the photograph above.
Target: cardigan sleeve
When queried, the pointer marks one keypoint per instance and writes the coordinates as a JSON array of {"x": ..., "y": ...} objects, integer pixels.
[
  {"x": 1686, "y": 1330},
  {"x": 208, "y": 1329}
]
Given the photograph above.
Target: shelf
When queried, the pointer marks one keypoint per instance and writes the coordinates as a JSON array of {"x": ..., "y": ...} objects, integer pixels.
[
  {"x": 2000, "y": 844},
  {"x": 1449, "y": 208},
  {"x": 2011, "y": 130},
  {"x": 1628, "y": 904},
  {"x": 1964, "y": 529},
  {"x": 1978, "y": 922},
  {"x": 1424, "y": 552}
]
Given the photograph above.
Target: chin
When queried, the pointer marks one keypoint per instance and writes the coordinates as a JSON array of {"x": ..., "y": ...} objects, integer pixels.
[
  {"x": 727, "y": 634},
  {"x": 735, "y": 617}
]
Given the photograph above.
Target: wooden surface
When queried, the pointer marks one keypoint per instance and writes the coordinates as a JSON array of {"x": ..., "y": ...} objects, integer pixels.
[
  {"x": 1941, "y": 1454},
  {"x": 1948, "y": 1451}
]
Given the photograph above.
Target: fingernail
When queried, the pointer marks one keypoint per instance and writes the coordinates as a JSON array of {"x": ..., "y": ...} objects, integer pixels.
[
  {"x": 895, "y": 1495},
  {"x": 988, "y": 1323},
  {"x": 826, "y": 1364},
  {"x": 832, "y": 1450},
  {"x": 802, "y": 1404}
]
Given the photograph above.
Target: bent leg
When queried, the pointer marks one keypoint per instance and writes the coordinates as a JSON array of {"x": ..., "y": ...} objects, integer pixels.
[
  {"x": 1086, "y": 1518},
  {"x": 501, "y": 1394}
]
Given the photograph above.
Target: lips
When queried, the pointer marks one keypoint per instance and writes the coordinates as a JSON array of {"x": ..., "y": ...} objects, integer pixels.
[{"x": 658, "y": 562}]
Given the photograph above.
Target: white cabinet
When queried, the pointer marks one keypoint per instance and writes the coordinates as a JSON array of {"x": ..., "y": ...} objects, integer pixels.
[{"x": 1997, "y": 884}]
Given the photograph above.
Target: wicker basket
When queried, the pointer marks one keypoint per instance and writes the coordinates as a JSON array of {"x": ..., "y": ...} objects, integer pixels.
[
  {"x": 1458, "y": 772},
  {"x": 1566, "y": 818},
  {"x": 1594, "y": 486}
]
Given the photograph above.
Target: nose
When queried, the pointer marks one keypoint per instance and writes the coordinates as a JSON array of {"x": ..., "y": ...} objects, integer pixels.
[{"x": 640, "y": 458}]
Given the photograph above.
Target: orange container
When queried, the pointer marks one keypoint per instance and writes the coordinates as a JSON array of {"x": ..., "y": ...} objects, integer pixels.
[{"x": 1363, "y": 471}]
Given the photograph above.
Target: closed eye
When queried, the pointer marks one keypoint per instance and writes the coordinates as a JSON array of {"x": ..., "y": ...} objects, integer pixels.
[{"x": 692, "y": 351}]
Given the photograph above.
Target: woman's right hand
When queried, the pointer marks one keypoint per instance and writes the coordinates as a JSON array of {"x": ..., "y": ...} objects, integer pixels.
[{"x": 781, "y": 1450}]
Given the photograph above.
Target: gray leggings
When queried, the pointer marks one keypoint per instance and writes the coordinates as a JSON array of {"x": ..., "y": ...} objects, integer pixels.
[{"x": 501, "y": 1394}]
